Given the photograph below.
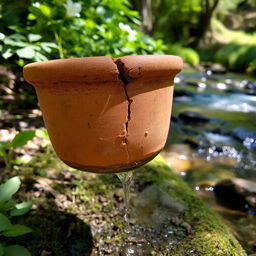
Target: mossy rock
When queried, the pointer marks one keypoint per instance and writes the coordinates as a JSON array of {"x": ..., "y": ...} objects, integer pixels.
[{"x": 205, "y": 234}]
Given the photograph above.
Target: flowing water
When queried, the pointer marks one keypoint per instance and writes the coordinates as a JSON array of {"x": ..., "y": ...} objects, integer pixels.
[
  {"x": 212, "y": 137},
  {"x": 126, "y": 180}
]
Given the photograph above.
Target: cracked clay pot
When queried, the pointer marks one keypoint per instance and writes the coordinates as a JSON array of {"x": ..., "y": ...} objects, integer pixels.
[{"x": 104, "y": 114}]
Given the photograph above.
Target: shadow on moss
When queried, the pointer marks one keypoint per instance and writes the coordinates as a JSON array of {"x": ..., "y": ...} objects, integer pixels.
[{"x": 57, "y": 233}]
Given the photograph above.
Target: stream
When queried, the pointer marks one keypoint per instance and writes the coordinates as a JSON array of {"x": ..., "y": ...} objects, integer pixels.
[{"x": 213, "y": 137}]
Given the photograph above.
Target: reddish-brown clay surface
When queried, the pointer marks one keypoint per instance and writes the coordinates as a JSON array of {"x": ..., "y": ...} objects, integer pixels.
[{"x": 104, "y": 114}]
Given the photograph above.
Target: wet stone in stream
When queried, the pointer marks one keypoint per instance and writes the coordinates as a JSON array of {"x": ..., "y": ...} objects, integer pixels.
[{"x": 237, "y": 193}]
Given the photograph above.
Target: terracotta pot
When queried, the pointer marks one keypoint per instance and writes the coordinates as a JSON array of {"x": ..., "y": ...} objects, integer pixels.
[{"x": 104, "y": 114}]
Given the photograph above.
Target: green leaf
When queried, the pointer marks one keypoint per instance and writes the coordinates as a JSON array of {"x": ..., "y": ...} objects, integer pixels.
[
  {"x": 17, "y": 230},
  {"x": 7, "y": 53},
  {"x": 22, "y": 138},
  {"x": 1, "y": 250},
  {"x": 15, "y": 40},
  {"x": 6, "y": 206},
  {"x": 21, "y": 208},
  {"x": 9, "y": 188},
  {"x": 20, "y": 62},
  {"x": 45, "y": 10},
  {"x": 27, "y": 52},
  {"x": 42, "y": 134},
  {"x": 3, "y": 146},
  {"x": 34, "y": 37},
  {"x": 5, "y": 224},
  {"x": 48, "y": 46},
  {"x": 40, "y": 57},
  {"x": 31, "y": 16},
  {"x": 16, "y": 250}
]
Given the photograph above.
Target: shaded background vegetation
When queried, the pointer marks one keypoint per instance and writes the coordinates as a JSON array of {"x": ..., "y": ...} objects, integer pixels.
[{"x": 208, "y": 30}]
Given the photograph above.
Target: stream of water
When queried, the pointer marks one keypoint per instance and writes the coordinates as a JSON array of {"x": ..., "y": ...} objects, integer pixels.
[
  {"x": 126, "y": 180},
  {"x": 212, "y": 137}
]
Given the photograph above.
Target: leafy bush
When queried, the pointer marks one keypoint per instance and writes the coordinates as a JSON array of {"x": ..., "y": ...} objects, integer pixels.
[
  {"x": 237, "y": 57},
  {"x": 174, "y": 20},
  {"x": 7, "y": 149},
  {"x": 26, "y": 47},
  {"x": 56, "y": 29},
  {"x": 227, "y": 35},
  {"x": 252, "y": 67},
  {"x": 9, "y": 209},
  {"x": 188, "y": 54}
]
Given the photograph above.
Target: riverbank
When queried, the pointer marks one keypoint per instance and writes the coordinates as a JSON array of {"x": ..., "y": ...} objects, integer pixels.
[{"x": 77, "y": 214}]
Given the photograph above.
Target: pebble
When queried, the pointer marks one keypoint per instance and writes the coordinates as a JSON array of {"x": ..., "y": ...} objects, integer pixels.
[
  {"x": 236, "y": 192},
  {"x": 190, "y": 117},
  {"x": 177, "y": 162}
]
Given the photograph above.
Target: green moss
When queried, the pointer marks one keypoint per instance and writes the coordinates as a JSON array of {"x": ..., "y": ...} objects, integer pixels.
[
  {"x": 197, "y": 231},
  {"x": 208, "y": 236}
]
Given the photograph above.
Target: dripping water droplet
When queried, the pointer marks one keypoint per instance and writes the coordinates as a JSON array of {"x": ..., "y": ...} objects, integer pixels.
[{"x": 126, "y": 180}]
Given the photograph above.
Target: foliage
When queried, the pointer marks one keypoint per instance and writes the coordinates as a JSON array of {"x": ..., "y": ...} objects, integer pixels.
[
  {"x": 188, "y": 54},
  {"x": 208, "y": 53},
  {"x": 232, "y": 36},
  {"x": 44, "y": 29},
  {"x": 236, "y": 51},
  {"x": 8, "y": 209},
  {"x": 252, "y": 67},
  {"x": 174, "y": 19},
  {"x": 237, "y": 57},
  {"x": 225, "y": 7},
  {"x": 26, "y": 47},
  {"x": 7, "y": 149},
  {"x": 189, "y": 21}
]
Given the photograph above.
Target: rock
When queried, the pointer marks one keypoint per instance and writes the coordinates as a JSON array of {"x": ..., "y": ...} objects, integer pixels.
[
  {"x": 194, "y": 84},
  {"x": 182, "y": 149},
  {"x": 182, "y": 93},
  {"x": 193, "y": 229},
  {"x": 189, "y": 117},
  {"x": 192, "y": 142},
  {"x": 244, "y": 135},
  {"x": 217, "y": 68},
  {"x": 153, "y": 205},
  {"x": 250, "y": 87},
  {"x": 179, "y": 157},
  {"x": 177, "y": 162},
  {"x": 174, "y": 119},
  {"x": 237, "y": 193},
  {"x": 225, "y": 160}
]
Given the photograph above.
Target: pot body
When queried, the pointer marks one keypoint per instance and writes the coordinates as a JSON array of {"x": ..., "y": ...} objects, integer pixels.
[{"x": 104, "y": 114}]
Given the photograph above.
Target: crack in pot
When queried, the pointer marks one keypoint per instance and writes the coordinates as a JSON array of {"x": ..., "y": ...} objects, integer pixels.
[{"x": 125, "y": 80}]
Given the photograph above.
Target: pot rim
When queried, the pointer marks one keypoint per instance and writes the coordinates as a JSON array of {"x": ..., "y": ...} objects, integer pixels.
[{"x": 102, "y": 68}]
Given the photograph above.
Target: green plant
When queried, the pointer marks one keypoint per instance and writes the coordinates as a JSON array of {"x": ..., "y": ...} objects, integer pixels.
[
  {"x": 9, "y": 209},
  {"x": 188, "y": 54},
  {"x": 7, "y": 149},
  {"x": 237, "y": 57},
  {"x": 26, "y": 47},
  {"x": 252, "y": 67},
  {"x": 47, "y": 29}
]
